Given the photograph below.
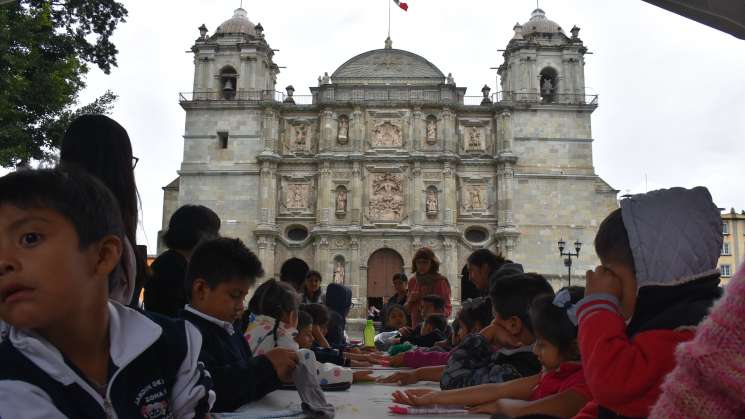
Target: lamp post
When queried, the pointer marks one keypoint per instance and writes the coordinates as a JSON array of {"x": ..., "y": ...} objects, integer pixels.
[{"x": 569, "y": 255}]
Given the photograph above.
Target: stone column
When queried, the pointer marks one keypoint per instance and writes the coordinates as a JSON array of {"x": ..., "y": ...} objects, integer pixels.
[
  {"x": 357, "y": 130},
  {"x": 450, "y": 262},
  {"x": 417, "y": 186},
  {"x": 266, "y": 245},
  {"x": 505, "y": 137},
  {"x": 354, "y": 277},
  {"x": 270, "y": 130},
  {"x": 267, "y": 194},
  {"x": 416, "y": 131},
  {"x": 450, "y": 136},
  {"x": 449, "y": 195},
  {"x": 322, "y": 258},
  {"x": 212, "y": 84},
  {"x": 324, "y": 194},
  {"x": 327, "y": 130},
  {"x": 357, "y": 192},
  {"x": 244, "y": 81}
]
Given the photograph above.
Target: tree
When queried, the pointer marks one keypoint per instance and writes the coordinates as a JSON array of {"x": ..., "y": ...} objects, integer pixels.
[{"x": 45, "y": 49}]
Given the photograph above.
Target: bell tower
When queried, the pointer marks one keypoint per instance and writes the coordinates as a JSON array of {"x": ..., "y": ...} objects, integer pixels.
[
  {"x": 543, "y": 64},
  {"x": 234, "y": 63}
]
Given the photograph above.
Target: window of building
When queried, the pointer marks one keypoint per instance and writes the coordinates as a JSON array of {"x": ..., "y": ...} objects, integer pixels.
[
  {"x": 725, "y": 270},
  {"x": 228, "y": 79},
  {"x": 297, "y": 233},
  {"x": 476, "y": 235},
  {"x": 725, "y": 249},
  {"x": 222, "y": 139},
  {"x": 725, "y": 227}
]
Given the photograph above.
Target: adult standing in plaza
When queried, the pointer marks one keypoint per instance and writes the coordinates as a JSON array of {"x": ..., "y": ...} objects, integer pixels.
[
  {"x": 426, "y": 281},
  {"x": 483, "y": 263}
]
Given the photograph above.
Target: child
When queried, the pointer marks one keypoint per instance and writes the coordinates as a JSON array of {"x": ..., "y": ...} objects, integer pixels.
[
  {"x": 659, "y": 254},
  {"x": 395, "y": 318},
  {"x": 426, "y": 281},
  {"x": 559, "y": 391},
  {"x": 320, "y": 315},
  {"x": 708, "y": 380},
  {"x": 312, "y": 292},
  {"x": 430, "y": 304},
  {"x": 304, "y": 337},
  {"x": 70, "y": 350},
  {"x": 219, "y": 275},
  {"x": 338, "y": 301},
  {"x": 275, "y": 310},
  {"x": 473, "y": 362},
  {"x": 433, "y": 331}
]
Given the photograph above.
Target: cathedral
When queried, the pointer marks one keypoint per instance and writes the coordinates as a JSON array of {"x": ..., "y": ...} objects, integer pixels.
[{"x": 388, "y": 155}]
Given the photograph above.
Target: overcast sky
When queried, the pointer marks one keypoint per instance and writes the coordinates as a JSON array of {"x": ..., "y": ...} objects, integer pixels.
[{"x": 671, "y": 91}]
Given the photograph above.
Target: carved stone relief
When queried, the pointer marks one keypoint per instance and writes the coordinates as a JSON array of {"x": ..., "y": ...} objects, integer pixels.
[
  {"x": 474, "y": 198},
  {"x": 474, "y": 139},
  {"x": 386, "y": 197},
  {"x": 387, "y": 135},
  {"x": 297, "y": 196},
  {"x": 300, "y": 138}
]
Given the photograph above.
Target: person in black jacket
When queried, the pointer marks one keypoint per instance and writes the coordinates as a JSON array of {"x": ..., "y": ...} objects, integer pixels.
[
  {"x": 164, "y": 292},
  {"x": 220, "y": 273}
]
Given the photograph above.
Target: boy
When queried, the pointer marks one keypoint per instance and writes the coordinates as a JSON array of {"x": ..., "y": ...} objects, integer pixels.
[
  {"x": 659, "y": 254},
  {"x": 320, "y": 315},
  {"x": 432, "y": 331},
  {"x": 219, "y": 275},
  {"x": 304, "y": 336},
  {"x": 70, "y": 351},
  {"x": 431, "y": 304},
  {"x": 472, "y": 362}
]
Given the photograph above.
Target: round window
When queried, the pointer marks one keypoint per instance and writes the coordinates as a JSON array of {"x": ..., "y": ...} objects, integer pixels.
[
  {"x": 476, "y": 235},
  {"x": 297, "y": 233}
]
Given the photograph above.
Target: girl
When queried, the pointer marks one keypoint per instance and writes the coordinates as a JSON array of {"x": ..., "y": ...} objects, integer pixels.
[
  {"x": 426, "y": 281},
  {"x": 560, "y": 390},
  {"x": 274, "y": 321},
  {"x": 312, "y": 292}
]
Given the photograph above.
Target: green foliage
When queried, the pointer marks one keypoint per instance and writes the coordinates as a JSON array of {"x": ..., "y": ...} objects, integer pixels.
[{"x": 44, "y": 50}]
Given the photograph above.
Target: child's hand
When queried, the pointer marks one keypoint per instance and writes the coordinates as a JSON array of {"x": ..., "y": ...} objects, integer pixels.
[
  {"x": 415, "y": 397},
  {"x": 405, "y": 331},
  {"x": 602, "y": 280},
  {"x": 498, "y": 335},
  {"x": 396, "y": 360},
  {"x": 360, "y": 376},
  {"x": 284, "y": 362},
  {"x": 402, "y": 378},
  {"x": 359, "y": 364},
  {"x": 489, "y": 408}
]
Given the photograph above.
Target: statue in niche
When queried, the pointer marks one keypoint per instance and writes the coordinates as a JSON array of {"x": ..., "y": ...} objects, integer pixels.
[
  {"x": 431, "y": 130},
  {"x": 343, "y": 132},
  {"x": 431, "y": 203},
  {"x": 387, "y": 135},
  {"x": 474, "y": 138},
  {"x": 474, "y": 199},
  {"x": 387, "y": 201},
  {"x": 341, "y": 200},
  {"x": 301, "y": 134},
  {"x": 339, "y": 272},
  {"x": 547, "y": 87}
]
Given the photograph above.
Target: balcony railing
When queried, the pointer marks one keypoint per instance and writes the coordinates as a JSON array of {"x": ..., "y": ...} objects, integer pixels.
[{"x": 386, "y": 96}]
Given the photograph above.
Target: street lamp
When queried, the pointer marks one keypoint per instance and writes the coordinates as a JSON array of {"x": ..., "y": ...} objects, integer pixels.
[{"x": 569, "y": 255}]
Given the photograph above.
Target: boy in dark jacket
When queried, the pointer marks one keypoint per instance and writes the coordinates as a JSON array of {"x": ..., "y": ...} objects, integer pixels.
[
  {"x": 433, "y": 330},
  {"x": 220, "y": 273},
  {"x": 659, "y": 255}
]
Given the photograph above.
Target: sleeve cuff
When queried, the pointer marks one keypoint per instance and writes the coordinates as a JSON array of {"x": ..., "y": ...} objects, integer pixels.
[{"x": 592, "y": 304}]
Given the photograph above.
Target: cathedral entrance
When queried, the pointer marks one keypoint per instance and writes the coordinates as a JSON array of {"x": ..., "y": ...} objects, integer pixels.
[{"x": 381, "y": 266}]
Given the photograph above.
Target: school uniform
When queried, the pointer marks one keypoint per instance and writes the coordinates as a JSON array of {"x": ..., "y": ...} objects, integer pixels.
[
  {"x": 238, "y": 376},
  {"x": 153, "y": 372}
]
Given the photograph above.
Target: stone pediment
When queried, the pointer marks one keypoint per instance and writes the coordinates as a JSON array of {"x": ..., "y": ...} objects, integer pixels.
[{"x": 391, "y": 66}]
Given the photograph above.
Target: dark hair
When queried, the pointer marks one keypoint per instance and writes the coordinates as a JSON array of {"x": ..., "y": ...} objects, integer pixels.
[
  {"x": 394, "y": 307},
  {"x": 303, "y": 319},
  {"x": 274, "y": 299},
  {"x": 101, "y": 147},
  {"x": 483, "y": 257},
  {"x": 434, "y": 299},
  {"x": 428, "y": 254},
  {"x": 294, "y": 271},
  {"x": 79, "y": 197},
  {"x": 437, "y": 322},
  {"x": 474, "y": 311},
  {"x": 313, "y": 273},
  {"x": 511, "y": 295},
  {"x": 222, "y": 260},
  {"x": 551, "y": 322},
  {"x": 612, "y": 240},
  {"x": 189, "y": 225},
  {"x": 400, "y": 276},
  {"x": 318, "y": 312},
  {"x": 339, "y": 298}
]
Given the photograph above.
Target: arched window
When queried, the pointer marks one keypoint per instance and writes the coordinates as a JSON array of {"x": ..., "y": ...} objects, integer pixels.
[
  {"x": 549, "y": 85},
  {"x": 228, "y": 79}
]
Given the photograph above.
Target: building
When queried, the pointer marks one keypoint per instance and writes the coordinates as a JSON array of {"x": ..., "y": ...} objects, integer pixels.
[
  {"x": 733, "y": 245},
  {"x": 389, "y": 154}
]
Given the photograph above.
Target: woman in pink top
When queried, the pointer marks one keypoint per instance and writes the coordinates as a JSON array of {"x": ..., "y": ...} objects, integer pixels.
[{"x": 426, "y": 281}]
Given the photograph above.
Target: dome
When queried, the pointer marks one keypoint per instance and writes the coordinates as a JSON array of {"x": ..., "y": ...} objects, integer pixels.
[
  {"x": 388, "y": 65},
  {"x": 538, "y": 23},
  {"x": 239, "y": 23}
]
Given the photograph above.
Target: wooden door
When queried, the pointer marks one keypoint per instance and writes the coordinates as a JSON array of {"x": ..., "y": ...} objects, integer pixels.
[{"x": 381, "y": 266}]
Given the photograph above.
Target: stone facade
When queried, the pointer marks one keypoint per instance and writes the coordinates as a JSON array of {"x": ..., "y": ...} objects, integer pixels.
[{"x": 389, "y": 153}]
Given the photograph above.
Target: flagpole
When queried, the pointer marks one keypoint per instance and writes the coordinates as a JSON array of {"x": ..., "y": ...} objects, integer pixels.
[{"x": 389, "y": 18}]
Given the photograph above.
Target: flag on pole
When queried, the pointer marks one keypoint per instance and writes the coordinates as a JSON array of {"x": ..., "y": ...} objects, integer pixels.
[{"x": 402, "y": 5}]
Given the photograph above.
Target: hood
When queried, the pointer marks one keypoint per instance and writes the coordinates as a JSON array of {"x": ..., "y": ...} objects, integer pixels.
[
  {"x": 338, "y": 298},
  {"x": 675, "y": 235}
]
